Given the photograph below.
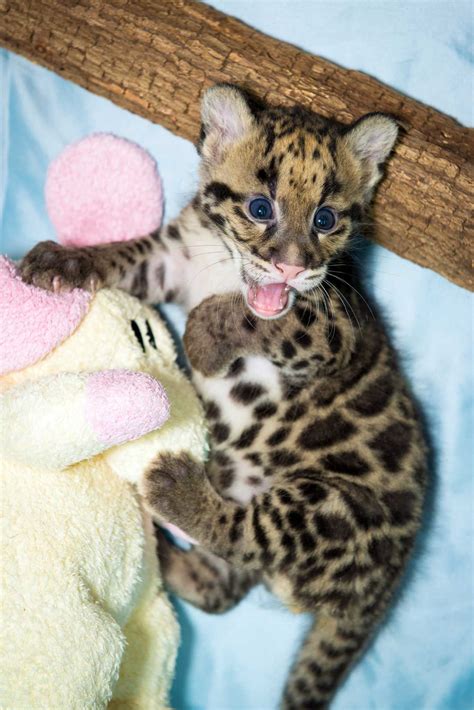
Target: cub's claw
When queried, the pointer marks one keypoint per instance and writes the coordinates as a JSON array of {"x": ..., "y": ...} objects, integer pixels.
[{"x": 56, "y": 268}]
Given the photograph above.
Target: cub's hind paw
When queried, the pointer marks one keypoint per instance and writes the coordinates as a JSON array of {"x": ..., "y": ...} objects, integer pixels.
[
  {"x": 56, "y": 268},
  {"x": 175, "y": 487}
]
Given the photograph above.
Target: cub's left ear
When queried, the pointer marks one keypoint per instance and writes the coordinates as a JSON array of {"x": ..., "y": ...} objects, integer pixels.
[{"x": 371, "y": 139}]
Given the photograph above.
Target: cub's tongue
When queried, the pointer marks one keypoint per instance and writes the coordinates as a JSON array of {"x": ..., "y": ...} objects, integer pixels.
[{"x": 268, "y": 300}]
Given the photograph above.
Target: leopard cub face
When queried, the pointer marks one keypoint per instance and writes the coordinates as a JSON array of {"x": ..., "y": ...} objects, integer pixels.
[{"x": 285, "y": 189}]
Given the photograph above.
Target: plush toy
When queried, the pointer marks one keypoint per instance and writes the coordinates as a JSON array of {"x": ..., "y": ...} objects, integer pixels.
[{"x": 90, "y": 392}]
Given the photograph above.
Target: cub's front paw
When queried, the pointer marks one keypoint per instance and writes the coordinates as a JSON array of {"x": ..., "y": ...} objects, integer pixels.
[
  {"x": 57, "y": 268},
  {"x": 209, "y": 339},
  {"x": 175, "y": 487}
]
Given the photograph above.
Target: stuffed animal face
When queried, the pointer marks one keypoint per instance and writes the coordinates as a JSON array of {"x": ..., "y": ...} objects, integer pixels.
[
  {"x": 116, "y": 332},
  {"x": 111, "y": 387}
]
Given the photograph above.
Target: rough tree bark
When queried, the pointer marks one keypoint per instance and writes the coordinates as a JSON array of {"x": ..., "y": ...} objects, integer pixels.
[{"x": 154, "y": 57}]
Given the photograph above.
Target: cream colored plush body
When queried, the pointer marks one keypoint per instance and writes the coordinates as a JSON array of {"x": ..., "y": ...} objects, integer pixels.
[{"x": 85, "y": 622}]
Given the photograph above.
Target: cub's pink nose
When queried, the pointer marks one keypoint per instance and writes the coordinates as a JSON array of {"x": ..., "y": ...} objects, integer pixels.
[{"x": 289, "y": 271}]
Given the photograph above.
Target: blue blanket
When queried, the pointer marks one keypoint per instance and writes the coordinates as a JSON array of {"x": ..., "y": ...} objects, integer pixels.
[{"x": 422, "y": 657}]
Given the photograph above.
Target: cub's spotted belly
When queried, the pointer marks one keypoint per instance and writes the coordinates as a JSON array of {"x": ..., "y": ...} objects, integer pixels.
[{"x": 241, "y": 409}]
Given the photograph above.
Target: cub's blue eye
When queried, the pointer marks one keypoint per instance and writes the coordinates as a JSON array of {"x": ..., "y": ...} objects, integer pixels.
[
  {"x": 325, "y": 219},
  {"x": 260, "y": 208}
]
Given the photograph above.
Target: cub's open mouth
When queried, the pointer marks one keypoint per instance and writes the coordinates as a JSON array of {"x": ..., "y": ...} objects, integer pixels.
[{"x": 270, "y": 301}]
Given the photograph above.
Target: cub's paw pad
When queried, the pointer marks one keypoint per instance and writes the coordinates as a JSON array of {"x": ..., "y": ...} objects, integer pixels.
[{"x": 55, "y": 268}]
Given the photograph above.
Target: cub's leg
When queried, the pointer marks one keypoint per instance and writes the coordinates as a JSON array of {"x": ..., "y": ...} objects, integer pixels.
[
  {"x": 304, "y": 537},
  {"x": 222, "y": 328},
  {"x": 201, "y": 578},
  {"x": 150, "y": 268}
]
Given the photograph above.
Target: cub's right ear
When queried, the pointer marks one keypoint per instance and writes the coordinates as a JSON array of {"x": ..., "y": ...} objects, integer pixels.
[
  {"x": 226, "y": 117},
  {"x": 371, "y": 140}
]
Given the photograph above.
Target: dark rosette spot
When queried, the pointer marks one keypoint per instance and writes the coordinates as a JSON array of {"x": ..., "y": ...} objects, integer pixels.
[
  {"x": 333, "y": 526},
  {"x": 325, "y": 431},
  {"x": 374, "y": 398},
  {"x": 348, "y": 462},
  {"x": 392, "y": 445},
  {"x": 401, "y": 505},
  {"x": 246, "y": 392}
]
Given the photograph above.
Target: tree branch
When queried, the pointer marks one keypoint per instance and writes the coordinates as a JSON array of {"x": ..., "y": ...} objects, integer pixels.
[{"x": 155, "y": 57}]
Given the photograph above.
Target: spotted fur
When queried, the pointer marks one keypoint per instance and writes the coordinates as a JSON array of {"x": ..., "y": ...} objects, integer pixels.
[{"x": 317, "y": 476}]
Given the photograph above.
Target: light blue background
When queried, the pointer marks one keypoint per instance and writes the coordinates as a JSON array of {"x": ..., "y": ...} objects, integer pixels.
[{"x": 422, "y": 658}]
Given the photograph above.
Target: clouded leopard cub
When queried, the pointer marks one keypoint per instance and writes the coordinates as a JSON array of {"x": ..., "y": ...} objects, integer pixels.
[{"x": 317, "y": 474}]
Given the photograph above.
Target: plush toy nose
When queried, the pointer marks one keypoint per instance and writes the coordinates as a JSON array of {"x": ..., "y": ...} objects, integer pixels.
[
  {"x": 124, "y": 405},
  {"x": 289, "y": 271}
]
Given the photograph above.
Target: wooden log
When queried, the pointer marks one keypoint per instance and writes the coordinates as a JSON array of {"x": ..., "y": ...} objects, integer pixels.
[{"x": 155, "y": 57}]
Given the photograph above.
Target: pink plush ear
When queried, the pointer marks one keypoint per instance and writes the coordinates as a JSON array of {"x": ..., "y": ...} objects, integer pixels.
[
  {"x": 103, "y": 189},
  {"x": 32, "y": 321}
]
